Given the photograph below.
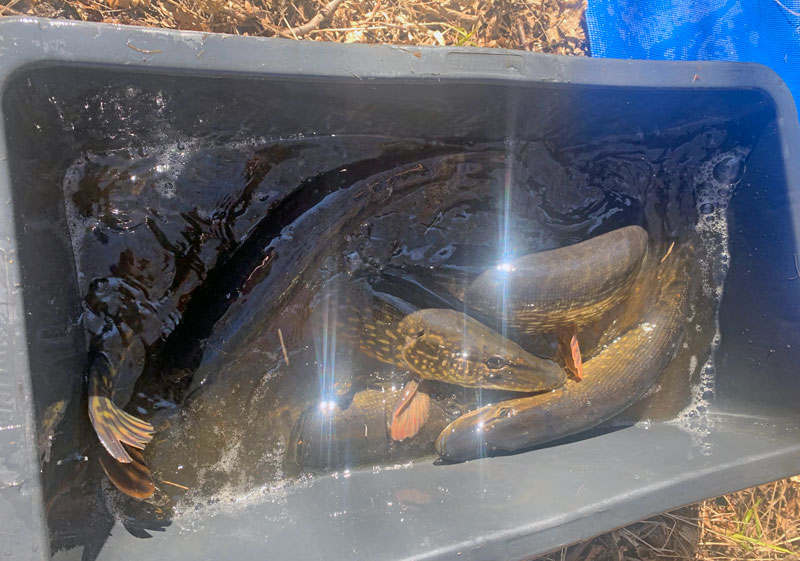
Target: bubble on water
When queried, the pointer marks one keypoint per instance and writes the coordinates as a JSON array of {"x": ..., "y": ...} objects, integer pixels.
[
  {"x": 166, "y": 189},
  {"x": 444, "y": 253},
  {"x": 729, "y": 170},
  {"x": 706, "y": 208}
]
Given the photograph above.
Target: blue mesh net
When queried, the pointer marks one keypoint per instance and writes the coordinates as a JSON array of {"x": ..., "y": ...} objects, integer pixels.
[{"x": 765, "y": 31}]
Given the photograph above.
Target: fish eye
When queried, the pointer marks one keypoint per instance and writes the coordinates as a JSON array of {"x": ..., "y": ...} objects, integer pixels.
[
  {"x": 419, "y": 334},
  {"x": 505, "y": 412},
  {"x": 495, "y": 363}
]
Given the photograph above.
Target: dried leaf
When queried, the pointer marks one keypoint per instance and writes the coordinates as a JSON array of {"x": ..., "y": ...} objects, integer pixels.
[
  {"x": 93, "y": 15},
  {"x": 553, "y": 35},
  {"x": 355, "y": 36},
  {"x": 188, "y": 20}
]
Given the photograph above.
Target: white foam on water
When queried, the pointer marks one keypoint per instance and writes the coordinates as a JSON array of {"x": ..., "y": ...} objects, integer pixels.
[
  {"x": 193, "y": 514},
  {"x": 714, "y": 184}
]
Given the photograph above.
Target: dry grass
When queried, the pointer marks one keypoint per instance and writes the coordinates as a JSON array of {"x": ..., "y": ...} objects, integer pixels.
[
  {"x": 758, "y": 524},
  {"x": 672, "y": 536},
  {"x": 552, "y": 26}
]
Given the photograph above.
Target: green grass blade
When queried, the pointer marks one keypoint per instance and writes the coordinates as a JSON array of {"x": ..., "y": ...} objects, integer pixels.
[{"x": 748, "y": 541}]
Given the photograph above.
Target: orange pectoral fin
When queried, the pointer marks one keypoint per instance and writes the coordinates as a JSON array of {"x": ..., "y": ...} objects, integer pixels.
[
  {"x": 570, "y": 352},
  {"x": 411, "y": 412},
  {"x": 577, "y": 361}
]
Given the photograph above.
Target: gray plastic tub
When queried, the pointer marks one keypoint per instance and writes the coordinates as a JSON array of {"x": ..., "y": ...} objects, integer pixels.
[{"x": 499, "y": 508}]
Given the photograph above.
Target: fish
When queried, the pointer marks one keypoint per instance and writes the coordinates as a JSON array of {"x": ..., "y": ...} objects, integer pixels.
[
  {"x": 566, "y": 287},
  {"x": 438, "y": 344},
  {"x": 614, "y": 379},
  {"x": 557, "y": 291},
  {"x": 450, "y": 346},
  {"x": 433, "y": 344}
]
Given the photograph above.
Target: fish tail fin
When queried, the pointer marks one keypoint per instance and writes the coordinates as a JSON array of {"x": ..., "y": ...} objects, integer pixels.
[
  {"x": 116, "y": 428},
  {"x": 132, "y": 478},
  {"x": 411, "y": 412}
]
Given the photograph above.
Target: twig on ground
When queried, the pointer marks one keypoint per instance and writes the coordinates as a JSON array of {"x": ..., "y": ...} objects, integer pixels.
[
  {"x": 523, "y": 39},
  {"x": 293, "y": 35},
  {"x": 314, "y": 23},
  {"x": 9, "y": 6}
]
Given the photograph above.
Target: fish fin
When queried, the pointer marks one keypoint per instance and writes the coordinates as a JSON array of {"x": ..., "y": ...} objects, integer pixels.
[
  {"x": 575, "y": 354},
  {"x": 132, "y": 478},
  {"x": 409, "y": 391},
  {"x": 115, "y": 427},
  {"x": 570, "y": 352},
  {"x": 411, "y": 412}
]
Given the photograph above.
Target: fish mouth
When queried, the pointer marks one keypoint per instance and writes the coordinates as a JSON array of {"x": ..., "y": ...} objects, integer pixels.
[
  {"x": 455, "y": 445},
  {"x": 542, "y": 376},
  {"x": 476, "y": 434},
  {"x": 463, "y": 441}
]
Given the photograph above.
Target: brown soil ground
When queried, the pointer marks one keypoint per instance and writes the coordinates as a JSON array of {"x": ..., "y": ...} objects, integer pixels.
[
  {"x": 762, "y": 523},
  {"x": 550, "y": 26}
]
